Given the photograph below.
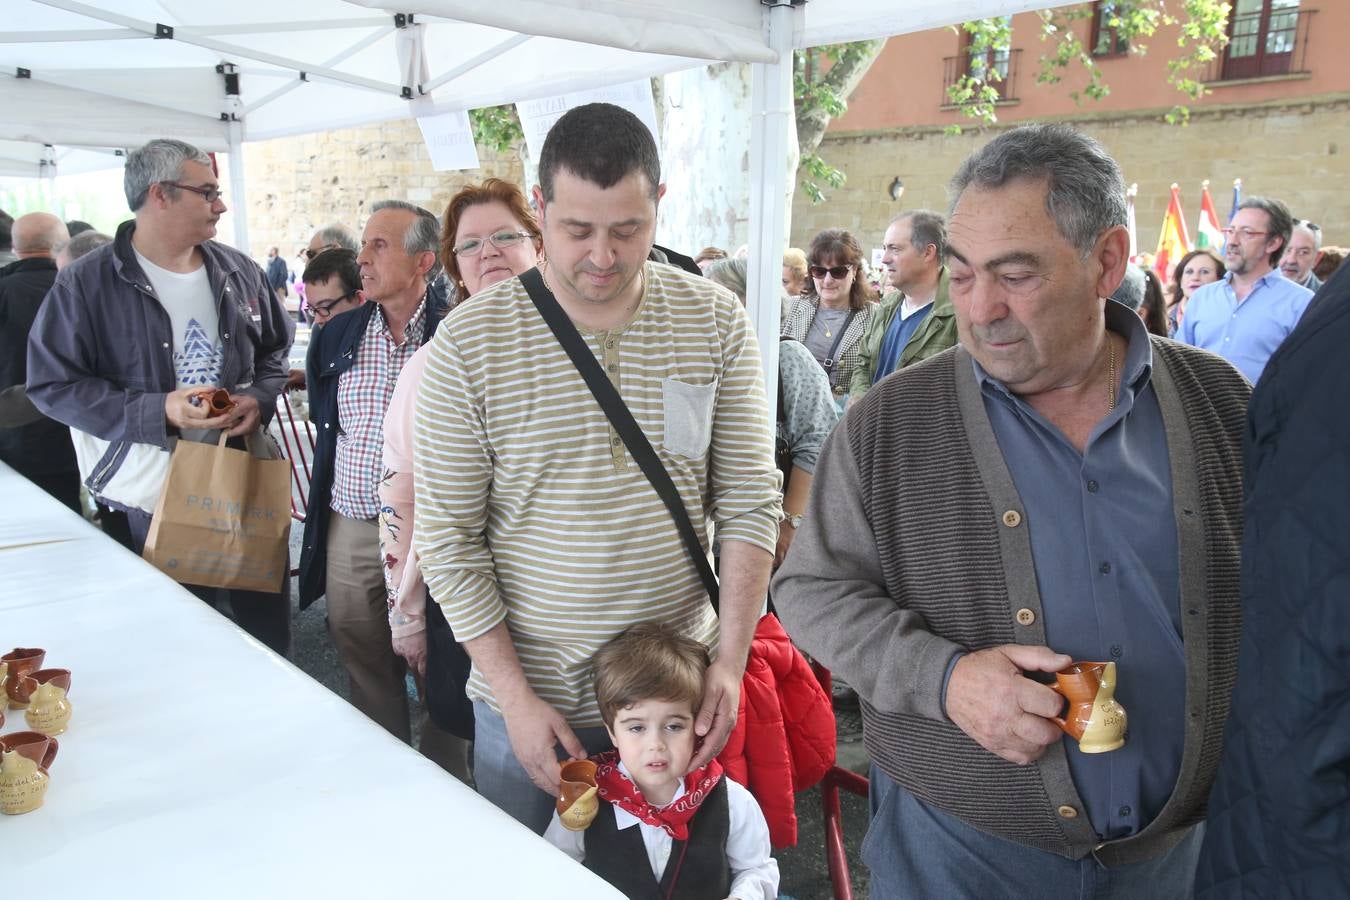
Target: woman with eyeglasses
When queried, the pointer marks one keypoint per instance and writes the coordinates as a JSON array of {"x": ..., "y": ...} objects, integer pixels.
[
  {"x": 832, "y": 315},
  {"x": 488, "y": 235}
]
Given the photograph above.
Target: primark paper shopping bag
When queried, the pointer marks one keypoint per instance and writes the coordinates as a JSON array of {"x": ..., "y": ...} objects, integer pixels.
[{"x": 223, "y": 520}]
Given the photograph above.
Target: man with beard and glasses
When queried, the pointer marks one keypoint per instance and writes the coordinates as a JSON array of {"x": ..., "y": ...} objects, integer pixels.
[
  {"x": 1059, "y": 486},
  {"x": 1247, "y": 314}
]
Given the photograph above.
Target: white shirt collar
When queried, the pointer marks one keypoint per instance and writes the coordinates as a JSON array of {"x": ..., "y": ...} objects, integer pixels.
[{"x": 623, "y": 818}]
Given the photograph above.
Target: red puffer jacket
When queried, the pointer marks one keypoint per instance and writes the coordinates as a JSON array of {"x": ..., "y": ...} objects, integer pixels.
[{"x": 784, "y": 736}]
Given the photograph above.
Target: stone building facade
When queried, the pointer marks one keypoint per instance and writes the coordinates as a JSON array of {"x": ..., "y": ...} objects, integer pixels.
[{"x": 299, "y": 184}]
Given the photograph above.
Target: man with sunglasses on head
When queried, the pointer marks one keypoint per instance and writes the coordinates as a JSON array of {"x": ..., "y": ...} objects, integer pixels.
[
  {"x": 133, "y": 330},
  {"x": 352, "y": 366},
  {"x": 1247, "y": 314}
]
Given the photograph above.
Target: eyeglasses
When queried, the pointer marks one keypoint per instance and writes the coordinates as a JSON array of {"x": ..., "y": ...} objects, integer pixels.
[
  {"x": 310, "y": 253},
  {"x": 1244, "y": 234},
  {"x": 839, "y": 272},
  {"x": 502, "y": 240},
  {"x": 210, "y": 195},
  {"x": 325, "y": 308}
]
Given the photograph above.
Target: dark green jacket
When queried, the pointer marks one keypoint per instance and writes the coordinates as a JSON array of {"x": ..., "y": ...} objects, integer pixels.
[{"x": 937, "y": 333}]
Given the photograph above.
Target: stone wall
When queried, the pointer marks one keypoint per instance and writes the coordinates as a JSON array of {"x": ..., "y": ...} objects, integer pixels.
[
  {"x": 1298, "y": 152},
  {"x": 299, "y": 184}
]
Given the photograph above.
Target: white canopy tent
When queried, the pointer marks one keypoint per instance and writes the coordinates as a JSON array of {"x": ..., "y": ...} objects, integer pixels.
[{"x": 113, "y": 73}]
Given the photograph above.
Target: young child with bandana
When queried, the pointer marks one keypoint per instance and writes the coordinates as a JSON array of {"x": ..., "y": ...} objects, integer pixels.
[{"x": 700, "y": 834}]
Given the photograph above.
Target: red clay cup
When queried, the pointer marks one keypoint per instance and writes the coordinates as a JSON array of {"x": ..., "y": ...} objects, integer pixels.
[{"x": 32, "y": 744}]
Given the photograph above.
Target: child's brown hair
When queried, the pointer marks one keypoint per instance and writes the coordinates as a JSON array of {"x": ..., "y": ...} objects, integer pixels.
[{"x": 649, "y": 661}]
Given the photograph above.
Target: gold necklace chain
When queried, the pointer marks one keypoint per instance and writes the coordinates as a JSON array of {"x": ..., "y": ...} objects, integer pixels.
[{"x": 1110, "y": 372}]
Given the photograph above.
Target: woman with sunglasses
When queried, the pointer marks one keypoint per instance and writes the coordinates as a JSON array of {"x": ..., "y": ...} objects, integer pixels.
[
  {"x": 832, "y": 315},
  {"x": 488, "y": 235}
]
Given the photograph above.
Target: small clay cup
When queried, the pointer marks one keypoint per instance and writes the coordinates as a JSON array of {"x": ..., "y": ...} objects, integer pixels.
[
  {"x": 216, "y": 401},
  {"x": 577, "y": 803},
  {"x": 38, "y": 747},
  {"x": 21, "y": 661},
  {"x": 29, "y": 683}
]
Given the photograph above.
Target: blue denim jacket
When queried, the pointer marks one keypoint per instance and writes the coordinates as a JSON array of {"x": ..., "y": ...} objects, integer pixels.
[{"x": 100, "y": 354}]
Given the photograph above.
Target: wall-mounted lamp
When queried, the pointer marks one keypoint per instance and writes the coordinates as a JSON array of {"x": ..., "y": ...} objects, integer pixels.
[{"x": 897, "y": 189}]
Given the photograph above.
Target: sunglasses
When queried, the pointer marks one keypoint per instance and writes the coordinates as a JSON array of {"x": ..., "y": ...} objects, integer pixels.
[
  {"x": 839, "y": 272},
  {"x": 210, "y": 195},
  {"x": 311, "y": 253},
  {"x": 326, "y": 308},
  {"x": 501, "y": 240}
]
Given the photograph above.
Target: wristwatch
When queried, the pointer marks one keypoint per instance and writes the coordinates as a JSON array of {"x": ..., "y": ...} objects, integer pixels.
[{"x": 794, "y": 522}]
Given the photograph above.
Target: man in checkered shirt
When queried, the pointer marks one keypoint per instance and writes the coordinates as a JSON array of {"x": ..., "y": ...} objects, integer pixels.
[{"x": 352, "y": 367}]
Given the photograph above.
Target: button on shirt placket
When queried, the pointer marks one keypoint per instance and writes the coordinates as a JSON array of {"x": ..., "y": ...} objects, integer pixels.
[{"x": 609, "y": 346}]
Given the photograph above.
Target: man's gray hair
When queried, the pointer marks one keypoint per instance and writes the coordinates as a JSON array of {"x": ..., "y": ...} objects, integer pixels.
[
  {"x": 160, "y": 160},
  {"x": 1131, "y": 290},
  {"x": 423, "y": 236},
  {"x": 338, "y": 236},
  {"x": 1312, "y": 229},
  {"x": 84, "y": 243},
  {"x": 1085, "y": 193},
  {"x": 926, "y": 227}
]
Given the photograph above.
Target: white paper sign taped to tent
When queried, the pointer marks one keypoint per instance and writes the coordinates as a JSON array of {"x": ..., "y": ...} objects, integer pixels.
[
  {"x": 449, "y": 140},
  {"x": 538, "y": 116}
]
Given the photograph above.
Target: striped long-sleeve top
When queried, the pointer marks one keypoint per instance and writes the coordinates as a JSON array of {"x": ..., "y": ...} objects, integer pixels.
[{"x": 529, "y": 508}]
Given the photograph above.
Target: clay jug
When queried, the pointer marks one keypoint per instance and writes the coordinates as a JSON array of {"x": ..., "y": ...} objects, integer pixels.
[
  {"x": 48, "y": 709},
  {"x": 1094, "y": 718},
  {"x": 23, "y": 783},
  {"x": 577, "y": 801},
  {"x": 21, "y": 661}
]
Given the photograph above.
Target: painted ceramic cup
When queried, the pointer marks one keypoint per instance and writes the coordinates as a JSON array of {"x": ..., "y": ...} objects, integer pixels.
[
  {"x": 215, "y": 401},
  {"x": 21, "y": 661},
  {"x": 23, "y": 783},
  {"x": 577, "y": 801},
  {"x": 33, "y": 745},
  {"x": 1095, "y": 719},
  {"x": 48, "y": 709}
]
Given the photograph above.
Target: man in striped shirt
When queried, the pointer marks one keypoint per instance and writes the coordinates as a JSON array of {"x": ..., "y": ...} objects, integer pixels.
[{"x": 539, "y": 535}]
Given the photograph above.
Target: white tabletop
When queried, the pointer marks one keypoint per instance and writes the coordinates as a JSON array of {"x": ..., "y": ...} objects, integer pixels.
[{"x": 200, "y": 764}]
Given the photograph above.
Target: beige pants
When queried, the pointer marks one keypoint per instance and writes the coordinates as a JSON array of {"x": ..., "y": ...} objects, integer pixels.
[{"x": 358, "y": 621}]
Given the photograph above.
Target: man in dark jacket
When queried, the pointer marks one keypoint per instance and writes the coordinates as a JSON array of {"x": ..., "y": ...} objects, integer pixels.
[
  {"x": 40, "y": 451},
  {"x": 352, "y": 367},
  {"x": 1279, "y": 815},
  {"x": 276, "y": 273},
  {"x": 132, "y": 331}
]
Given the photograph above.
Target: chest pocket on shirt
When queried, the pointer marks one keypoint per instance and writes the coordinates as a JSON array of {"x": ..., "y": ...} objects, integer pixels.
[{"x": 688, "y": 417}]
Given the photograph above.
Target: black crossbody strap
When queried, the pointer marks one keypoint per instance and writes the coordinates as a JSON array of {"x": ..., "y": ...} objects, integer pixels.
[
  {"x": 830, "y": 359},
  {"x": 622, "y": 419}
]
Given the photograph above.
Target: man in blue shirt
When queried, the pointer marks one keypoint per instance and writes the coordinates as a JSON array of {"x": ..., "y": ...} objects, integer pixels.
[{"x": 1246, "y": 315}]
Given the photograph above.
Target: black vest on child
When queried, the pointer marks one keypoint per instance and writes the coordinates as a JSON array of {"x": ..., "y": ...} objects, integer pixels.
[{"x": 620, "y": 857}]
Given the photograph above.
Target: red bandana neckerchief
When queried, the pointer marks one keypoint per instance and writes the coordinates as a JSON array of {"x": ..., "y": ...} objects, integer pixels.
[{"x": 673, "y": 818}]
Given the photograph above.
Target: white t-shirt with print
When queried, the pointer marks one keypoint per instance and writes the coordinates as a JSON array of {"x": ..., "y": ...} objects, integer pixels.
[{"x": 197, "y": 349}]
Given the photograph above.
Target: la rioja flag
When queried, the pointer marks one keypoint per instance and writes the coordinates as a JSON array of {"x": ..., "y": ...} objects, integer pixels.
[
  {"x": 1173, "y": 243},
  {"x": 1207, "y": 233}
]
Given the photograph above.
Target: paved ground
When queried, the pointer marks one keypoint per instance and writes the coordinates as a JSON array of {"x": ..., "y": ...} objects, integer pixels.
[{"x": 803, "y": 870}]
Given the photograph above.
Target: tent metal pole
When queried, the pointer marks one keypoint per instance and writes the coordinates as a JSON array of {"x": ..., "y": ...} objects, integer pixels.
[
  {"x": 238, "y": 190},
  {"x": 771, "y": 107}
]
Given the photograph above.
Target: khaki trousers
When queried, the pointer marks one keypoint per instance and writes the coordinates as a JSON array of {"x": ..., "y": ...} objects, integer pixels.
[{"x": 358, "y": 621}]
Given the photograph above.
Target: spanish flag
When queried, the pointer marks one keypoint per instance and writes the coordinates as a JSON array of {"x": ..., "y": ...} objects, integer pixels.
[{"x": 1173, "y": 243}]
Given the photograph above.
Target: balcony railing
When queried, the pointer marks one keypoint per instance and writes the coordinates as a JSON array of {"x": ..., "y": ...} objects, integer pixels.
[
  {"x": 1265, "y": 43},
  {"x": 999, "y": 68}
]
